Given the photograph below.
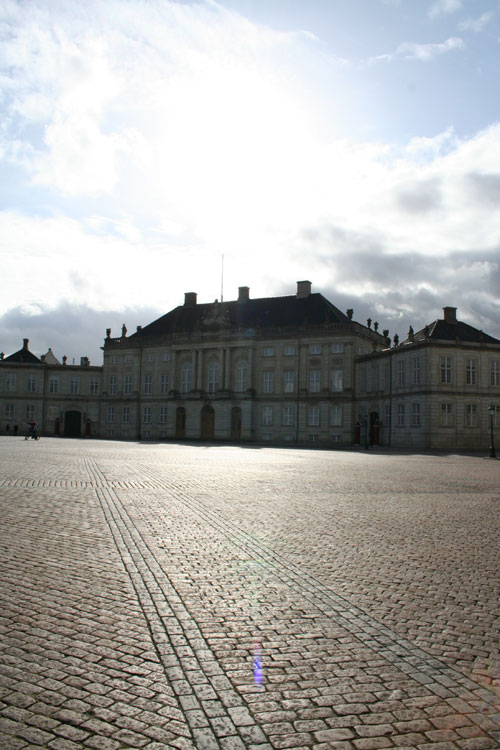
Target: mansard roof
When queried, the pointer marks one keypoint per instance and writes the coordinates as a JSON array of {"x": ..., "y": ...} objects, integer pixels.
[
  {"x": 23, "y": 356},
  {"x": 258, "y": 314},
  {"x": 458, "y": 332}
]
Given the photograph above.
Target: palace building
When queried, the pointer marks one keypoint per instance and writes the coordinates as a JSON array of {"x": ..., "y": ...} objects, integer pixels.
[{"x": 277, "y": 370}]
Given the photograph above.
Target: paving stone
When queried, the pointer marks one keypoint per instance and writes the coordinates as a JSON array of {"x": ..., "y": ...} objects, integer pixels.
[{"x": 160, "y": 586}]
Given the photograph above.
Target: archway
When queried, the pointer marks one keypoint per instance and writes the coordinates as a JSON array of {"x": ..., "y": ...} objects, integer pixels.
[
  {"x": 236, "y": 423},
  {"x": 180, "y": 422},
  {"x": 207, "y": 423},
  {"x": 73, "y": 424}
]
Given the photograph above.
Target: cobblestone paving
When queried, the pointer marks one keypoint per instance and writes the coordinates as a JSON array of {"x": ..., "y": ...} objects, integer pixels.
[{"x": 163, "y": 596}]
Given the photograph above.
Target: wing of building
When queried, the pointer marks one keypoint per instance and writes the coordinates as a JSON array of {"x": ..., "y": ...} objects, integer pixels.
[
  {"x": 290, "y": 369},
  {"x": 438, "y": 389}
]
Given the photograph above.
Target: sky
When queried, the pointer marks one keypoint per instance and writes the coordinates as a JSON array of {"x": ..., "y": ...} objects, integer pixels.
[{"x": 150, "y": 148}]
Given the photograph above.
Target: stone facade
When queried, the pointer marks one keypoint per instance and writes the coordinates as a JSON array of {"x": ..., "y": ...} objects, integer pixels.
[
  {"x": 283, "y": 370},
  {"x": 273, "y": 369},
  {"x": 434, "y": 390}
]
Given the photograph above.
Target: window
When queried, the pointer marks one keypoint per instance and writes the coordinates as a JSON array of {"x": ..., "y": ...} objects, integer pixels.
[
  {"x": 289, "y": 350},
  {"x": 336, "y": 416},
  {"x": 186, "y": 375},
  {"x": 241, "y": 377},
  {"x": 165, "y": 357},
  {"x": 336, "y": 438},
  {"x": 446, "y": 369},
  {"x": 446, "y": 415},
  {"x": 401, "y": 372},
  {"x": 127, "y": 385},
  {"x": 471, "y": 371},
  {"x": 30, "y": 413},
  {"x": 315, "y": 349},
  {"x": 387, "y": 415},
  {"x": 267, "y": 383},
  {"x": 415, "y": 379},
  {"x": 337, "y": 380},
  {"x": 314, "y": 438},
  {"x": 94, "y": 386},
  {"x": 163, "y": 415},
  {"x": 114, "y": 359},
  {"x": 9, "y": 411},
  {"x": 213, "y": 377},
  {"x": 112, "y": 384},
  {"x": 268, "y": 351},
  {"x": 314, "y": 381},
  {"x": 74, "y": 384},
  {"x": 401, "y": 415},
  {"x": 129, "y": 359},
  {"x": 337, "y": 348},
  {"x": 313, "y": 416},
  {"x": 10, "y": 382},
  {"x": 288, "y": 415},
  {"x": 288, "y": 381},
  {"x": 496, "y": 416},
  {"x": 267, "y": 415},
  {"x": 31, "y": 383},
  {"x": 415, "y": 414},
  {"x": 471, "y": 415},
  {"x": 54, "y": 384},
  {"x": 495, "y": 372},
  {"x": 148, "y": 358},
  {"x": 148, "y": 385},
  {"x": 364, "y": 380},
  {"x": 147, "y": 415},
  {"x": 164, "y": 384},
  {"x": 126, "y": 414},
  {"x": 110, "y": 417},
  {"x": 375, "y": 374}
]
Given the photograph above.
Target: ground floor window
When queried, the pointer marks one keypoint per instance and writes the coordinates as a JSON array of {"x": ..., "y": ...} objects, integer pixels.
[
  {"x": 415, "y": 415},
  {"x": 446, "y": 415},
  {"x": 336, "y": 416},
  {"x": 267, "y": 415},
  {"x": 471, "y": 415},
  {"x": 313, "y": 416}
]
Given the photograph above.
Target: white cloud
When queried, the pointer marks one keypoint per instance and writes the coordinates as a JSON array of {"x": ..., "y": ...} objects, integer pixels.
[
  {"x": 422, "y": 52},
  {"x": 444, "y": 7},
  {"x": 178, "y": 132},
  {"x": 476, "y": 24}
]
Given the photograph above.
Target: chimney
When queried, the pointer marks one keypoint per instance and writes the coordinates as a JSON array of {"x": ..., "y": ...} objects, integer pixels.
[
  {"x": 450, "y": 314},
  {"x": 303, "y": 289},
  {"x": 25, "y": 343},
  {"x": 243, "y": 293},
  {"x": 190, "y": 299}
]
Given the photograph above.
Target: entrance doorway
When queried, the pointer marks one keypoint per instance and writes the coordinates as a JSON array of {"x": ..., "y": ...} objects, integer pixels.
[
  {"x": 73, "y": 424},
  {"x": 236, "y": 423},
  {"x": 207, "y": 423},
  {"x": 180, "y": 422}
]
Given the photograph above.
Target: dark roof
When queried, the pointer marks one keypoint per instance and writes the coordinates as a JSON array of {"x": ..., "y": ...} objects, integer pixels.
[
  {"x": 443, "y": 330},
  {"x": 23, "y": 356},
  {"x": 257, "y": 314}
]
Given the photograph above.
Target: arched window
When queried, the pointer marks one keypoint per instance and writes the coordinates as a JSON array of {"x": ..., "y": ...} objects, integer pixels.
[{"x": 242, "y": 376}]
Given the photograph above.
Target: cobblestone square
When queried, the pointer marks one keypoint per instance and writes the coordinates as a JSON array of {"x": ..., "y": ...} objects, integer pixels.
[{"x": 194, "y": 596}]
